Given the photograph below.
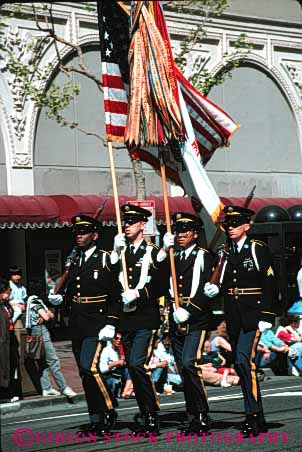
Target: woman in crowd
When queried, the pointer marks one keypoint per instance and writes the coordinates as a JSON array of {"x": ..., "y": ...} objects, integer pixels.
[{"x": 37, "y": 316}]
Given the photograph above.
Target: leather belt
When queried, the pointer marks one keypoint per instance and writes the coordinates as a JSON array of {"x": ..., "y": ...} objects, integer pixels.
[
  {"x": 186, "y": 301},
  {"x": 182, "y": 300},
  {"x": 99, "y": 299},
  {"x": 245, "y": 291}
]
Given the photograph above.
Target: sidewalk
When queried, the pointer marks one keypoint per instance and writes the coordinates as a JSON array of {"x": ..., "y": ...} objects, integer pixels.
[{"x": 70, "y": 371}]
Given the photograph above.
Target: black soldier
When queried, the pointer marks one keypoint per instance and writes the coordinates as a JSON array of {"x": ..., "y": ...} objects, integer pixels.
[
  {"x": 247, "y": 280},
  {"x": 191, "y": 321},
  {"x": 92, "y": 290},
  {"x": 140, "y": 319}
]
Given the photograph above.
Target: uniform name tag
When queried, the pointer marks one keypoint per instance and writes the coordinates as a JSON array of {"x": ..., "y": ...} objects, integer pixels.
[{"x": 95, "y": 274}]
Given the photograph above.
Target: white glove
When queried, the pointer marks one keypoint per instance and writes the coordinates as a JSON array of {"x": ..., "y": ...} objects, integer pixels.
[
  {"x": 262, "y": 326},
  {"x": 129, "y": 295},
  {"x": 32, "y": 298},
  {"x": 210, "y": 290},
  {"x": 54, "y": 299},
  {"x": 181, "y": 315},
  {"x": 119, "y": 243},
  {"x": 168, "y": 241},
  {"x": 107, "y": 333}
]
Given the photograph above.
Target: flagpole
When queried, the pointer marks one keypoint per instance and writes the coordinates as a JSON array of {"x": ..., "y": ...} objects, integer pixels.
[
  {"x": 168, "y": 223},
  {"x": 117, "y": 211}
]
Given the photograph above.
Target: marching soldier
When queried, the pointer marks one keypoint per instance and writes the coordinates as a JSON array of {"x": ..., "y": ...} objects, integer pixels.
[
  {"x": 92, "y": 290},
  {"x": 191, "y": 321},
  {"x": 140, "y": 319},
  {"x": 247, "y": 279}
]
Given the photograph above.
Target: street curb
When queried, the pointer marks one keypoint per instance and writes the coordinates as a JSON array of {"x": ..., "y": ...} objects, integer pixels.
[{"x": 6, "y": 408}]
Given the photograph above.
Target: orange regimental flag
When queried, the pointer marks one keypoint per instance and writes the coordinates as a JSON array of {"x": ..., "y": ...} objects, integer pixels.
[
  {"x": 154, "y": 116},
  {"x": 163, "y": 107},
  {"x": 204, "y": 126}
]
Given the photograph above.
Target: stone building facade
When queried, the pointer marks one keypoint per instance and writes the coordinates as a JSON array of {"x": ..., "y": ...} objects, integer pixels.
[{"x": 264, "y": 95}]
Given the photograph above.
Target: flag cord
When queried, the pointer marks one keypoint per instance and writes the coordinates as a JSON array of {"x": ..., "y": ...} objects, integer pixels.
[{"x": 117, "y": 211}]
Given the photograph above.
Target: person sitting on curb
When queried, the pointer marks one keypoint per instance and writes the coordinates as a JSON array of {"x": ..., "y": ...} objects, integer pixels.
[
  {"x": 112, "y": 364},
  {"x": 37, "y": 316},
  {"x": 269, "y": 349}
]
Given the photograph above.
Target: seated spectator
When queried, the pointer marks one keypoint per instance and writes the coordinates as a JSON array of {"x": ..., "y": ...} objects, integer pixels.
[
  {"x": 10, "y": 376},
  {"x": 112, "y": 364},
  {"x": 220, "y": 343},
  {"x": 37, "y": 316},
  {"x": 165, "y": 372},
  {"x": 212, "y": 377},
  {"x": 218, "y": 362},
  {"x": 288, "y": 332},
  {"x": 272, "y": 352}
]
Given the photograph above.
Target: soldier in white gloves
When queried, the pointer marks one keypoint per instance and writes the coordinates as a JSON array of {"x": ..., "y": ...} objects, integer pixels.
[
  {"x": 93, "y": 291},
  {"x": 194, "y": 316},
  {"x": 247, "y": 281},
  {"x": 140, "y": 319}
]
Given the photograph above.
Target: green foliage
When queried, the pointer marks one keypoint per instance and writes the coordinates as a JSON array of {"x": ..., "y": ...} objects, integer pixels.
[
  {"x": 204, "y": 81},
  {"x": 200, "y": 77}
]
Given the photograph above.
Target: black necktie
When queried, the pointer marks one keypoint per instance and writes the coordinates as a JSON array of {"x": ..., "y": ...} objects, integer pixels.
[
  {"x": 83, "y": 256},
  {"x": 235, "y": 248},
  {"x": 132, "y": 248},
  {"x": 182, "y": 255}
]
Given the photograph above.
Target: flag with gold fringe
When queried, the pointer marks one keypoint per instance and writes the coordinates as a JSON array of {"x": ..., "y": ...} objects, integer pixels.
[{"x": 163, "y": 107}]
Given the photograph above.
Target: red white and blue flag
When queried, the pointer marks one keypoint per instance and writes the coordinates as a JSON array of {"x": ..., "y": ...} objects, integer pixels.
[{"x": 206, "y": 126}]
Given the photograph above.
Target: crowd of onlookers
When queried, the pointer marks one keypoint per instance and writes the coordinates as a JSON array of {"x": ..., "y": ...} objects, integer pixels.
[{"x": 279, "y": 348}]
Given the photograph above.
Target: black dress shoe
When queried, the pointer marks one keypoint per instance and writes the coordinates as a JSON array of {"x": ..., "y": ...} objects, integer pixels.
[
  {"x": 110, "y": 419},
  {"x": 95, "y": 428},
  {"x": 200, "y": 424},
  {"x": 252, "y": 426},
  {"x": 150, "y": 425}
]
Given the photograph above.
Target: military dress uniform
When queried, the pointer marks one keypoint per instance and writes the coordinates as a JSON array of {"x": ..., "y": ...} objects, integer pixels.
[
  {"x": 140, "y": 327},
  {"x": 93, "y": 293},
  {"x": 193, "y": 269},
  {"x": 247, "y": 281}
]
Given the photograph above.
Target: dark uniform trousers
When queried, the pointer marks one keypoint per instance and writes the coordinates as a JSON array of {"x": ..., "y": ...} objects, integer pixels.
[
  {"x": 140, "y": 328},
  {"x": 248, "y": 284},
  {"x": 138, "y": 346},
  {"x": 93, "y": 292},
  {"x": 98, "y": 395},
  {"x": 188, "y": 352},
  {"x": 188, "y": 349}
]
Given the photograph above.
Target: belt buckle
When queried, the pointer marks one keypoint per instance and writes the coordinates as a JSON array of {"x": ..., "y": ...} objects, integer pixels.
[{"x": 235, "y": 291}]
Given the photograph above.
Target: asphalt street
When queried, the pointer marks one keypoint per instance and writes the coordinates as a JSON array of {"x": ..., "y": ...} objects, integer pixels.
[{"x": 53, "y": 428}]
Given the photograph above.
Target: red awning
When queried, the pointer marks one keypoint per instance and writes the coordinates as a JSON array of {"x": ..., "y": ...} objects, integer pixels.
[
  {"x": 34, "y": 211},
  {"x": 70, "y": 205},
  {"x": 57, "y": 210}
]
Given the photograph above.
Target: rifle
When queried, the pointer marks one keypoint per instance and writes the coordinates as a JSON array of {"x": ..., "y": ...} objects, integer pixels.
[
  {"x": 223, "y": 251},
  {"x": 73, "y": 257}
]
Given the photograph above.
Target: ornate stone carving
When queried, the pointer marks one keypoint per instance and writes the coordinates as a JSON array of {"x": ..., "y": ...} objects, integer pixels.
[
  {"x": 22, "y": 161},
  {"x": 20, "y": 45},
  {"x": 295, "y": 71}
]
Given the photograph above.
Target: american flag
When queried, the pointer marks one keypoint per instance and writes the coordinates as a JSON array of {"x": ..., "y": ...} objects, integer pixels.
[
  {"x": 212, "y": 126},
  {"x": 208, "y": 126},
  {"x": 114, "y": 38}
]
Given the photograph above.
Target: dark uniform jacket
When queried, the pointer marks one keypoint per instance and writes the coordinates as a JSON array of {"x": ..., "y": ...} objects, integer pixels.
[
  {"x": 146, "y": 315},
  {"x": 250, "y": 269},
  {"x": 97, "y": 277},
  {"x": 199, "y": 306}
]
